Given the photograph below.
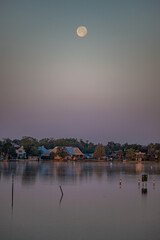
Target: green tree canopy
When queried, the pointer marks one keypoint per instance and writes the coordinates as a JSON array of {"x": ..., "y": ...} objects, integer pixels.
[
  {"x": 130, "y": 154},
  {"x": 48, "y": 143},
  {"x": 6, "y": 145},
  {"x": 119, "y": 154},
  {"x": 61, "y": 152},
  {"x": 30, "y": 145},
  {"x": 99, "y": 151}
]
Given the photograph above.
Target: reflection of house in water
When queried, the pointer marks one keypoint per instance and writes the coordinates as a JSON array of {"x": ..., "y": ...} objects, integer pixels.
[
  {"x": 74, "y": 170},
  {"x": 78, "y": 169},
  {"x": 86, "y": 170},
  {"x": 65, "y": 171},
  {"x": 139, "y": 167},
  {"x": 61, "y": 171}
]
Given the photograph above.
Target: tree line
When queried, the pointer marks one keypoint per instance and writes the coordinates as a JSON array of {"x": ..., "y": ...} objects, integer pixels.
[{"x": 117, "y": 150}]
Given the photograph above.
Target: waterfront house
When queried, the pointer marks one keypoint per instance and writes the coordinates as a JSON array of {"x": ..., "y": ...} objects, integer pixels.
[
  {"x": 42, "y": 149},
  {"x": 157, "y": 155},
  {"x": 140, "y": 156},
  {"x": 88, "y": 156},
  {"x": 46, "y": 154},
  {"x": 73, "y": 152},
  {"x": 21, "y": 153},
  {"x": 16, "y": 146}
]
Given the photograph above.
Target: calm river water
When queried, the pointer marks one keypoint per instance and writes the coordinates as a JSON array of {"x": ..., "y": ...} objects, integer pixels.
[{"x": 94, "y": 205}]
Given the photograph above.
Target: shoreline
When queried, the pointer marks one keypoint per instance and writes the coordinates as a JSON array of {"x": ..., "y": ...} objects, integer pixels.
[{"x": 76, "y": 160}]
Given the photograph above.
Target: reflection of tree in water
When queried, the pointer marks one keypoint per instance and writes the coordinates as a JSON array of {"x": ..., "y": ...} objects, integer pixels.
[
  {"x": 99, "y": 170},
  {"x": 72, "y": 171},
  {"x": 66, "y": 171},
  {"x": 61, "y": 171},
  {"x": 0, "y": 170},
  {"x": 151, "y": 169},
  {"x": 46, "y": 170},
  {"x": 130, "y": 169},
  {"x": 8, "y": 168},
  {"x": 89, "y": 169},
  {"x": 112, "y": 171},
  {"x": 86, "y": 170},
  {"x": 29, "y": 174}
]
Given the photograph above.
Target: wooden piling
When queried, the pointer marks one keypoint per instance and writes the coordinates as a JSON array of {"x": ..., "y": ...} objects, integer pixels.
[
  {"x": 120, "y": 181},
  {"x": 12, "y": 190},
  {"x": 154, "y": 183},
  {"x": 61, "y": 190}
]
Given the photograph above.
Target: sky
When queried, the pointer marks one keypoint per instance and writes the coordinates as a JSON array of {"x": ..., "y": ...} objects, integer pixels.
[{"x": 102, "y": 87}]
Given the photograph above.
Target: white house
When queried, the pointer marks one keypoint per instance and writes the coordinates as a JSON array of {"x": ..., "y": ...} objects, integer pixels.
[{"x": 21, "y": 153}]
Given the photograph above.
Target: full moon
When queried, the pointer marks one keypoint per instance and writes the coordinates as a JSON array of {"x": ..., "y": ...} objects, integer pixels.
[{"x": 81, "y": 31}]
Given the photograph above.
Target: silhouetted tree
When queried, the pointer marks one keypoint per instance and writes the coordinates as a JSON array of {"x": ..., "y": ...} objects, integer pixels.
[
  {"x": 30, "y": 145},
  {"x": 61, "y": 152},
  {"x": 48, "y": 143},
  {"x": 130, "y": 154},
  {"x": 119, "y": 154},
  {"x": 99, "y": 151}
]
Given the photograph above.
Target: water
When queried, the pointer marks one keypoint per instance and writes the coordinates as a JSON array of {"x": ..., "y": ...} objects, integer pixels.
[{"x": 94, "y": 205}]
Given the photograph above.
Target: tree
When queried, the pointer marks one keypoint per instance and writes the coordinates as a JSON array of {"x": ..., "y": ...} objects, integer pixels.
[
  {"x": 1, "y": 149},
  {"x": 6, "y": 145},
  {"x": 48, "y": 143},
  {"x": 30, "y": 145},
  {"x": 130, "y": 154},
  {"x": 73, "y": 142},
  {"x": 12, "y": 153},
  {"x": 99, "y": 151},
  {"x": 61, "y": 152},
  {"x": 119, "y": 154},
  {"x": 16, "y": 141},
  {"x": 52, "y": 155},
  {"x": 157, "y": 155},
  {"x": 151, "y": 149}
]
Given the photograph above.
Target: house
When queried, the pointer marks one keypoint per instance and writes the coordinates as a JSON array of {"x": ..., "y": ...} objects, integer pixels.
[
  {"x": 157, "y": 154},
  {"x": 42, "y": 149},
  {"x": 73, "y": 152},
  {"x": 88, "y": 155},
  {"x": 46, "y": 154},
  {"x": 16, "y": 146},
  {"x": 21, "y": 153},
  {"x": 140, "y": 156}
]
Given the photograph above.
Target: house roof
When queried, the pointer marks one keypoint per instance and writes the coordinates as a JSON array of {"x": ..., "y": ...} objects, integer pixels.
[
  {"x": 140, "y": 153},
  {"x": 15, "y": 145},
  {"x": 20, "y": 149},
  {"x": 70, "y": 150},
  {"x": 43, "y": 149},
  {"x": 47, "y": 152}
]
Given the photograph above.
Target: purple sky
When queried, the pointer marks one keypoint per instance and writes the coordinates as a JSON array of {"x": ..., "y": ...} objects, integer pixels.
[{"x": 102, "y": 87}]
